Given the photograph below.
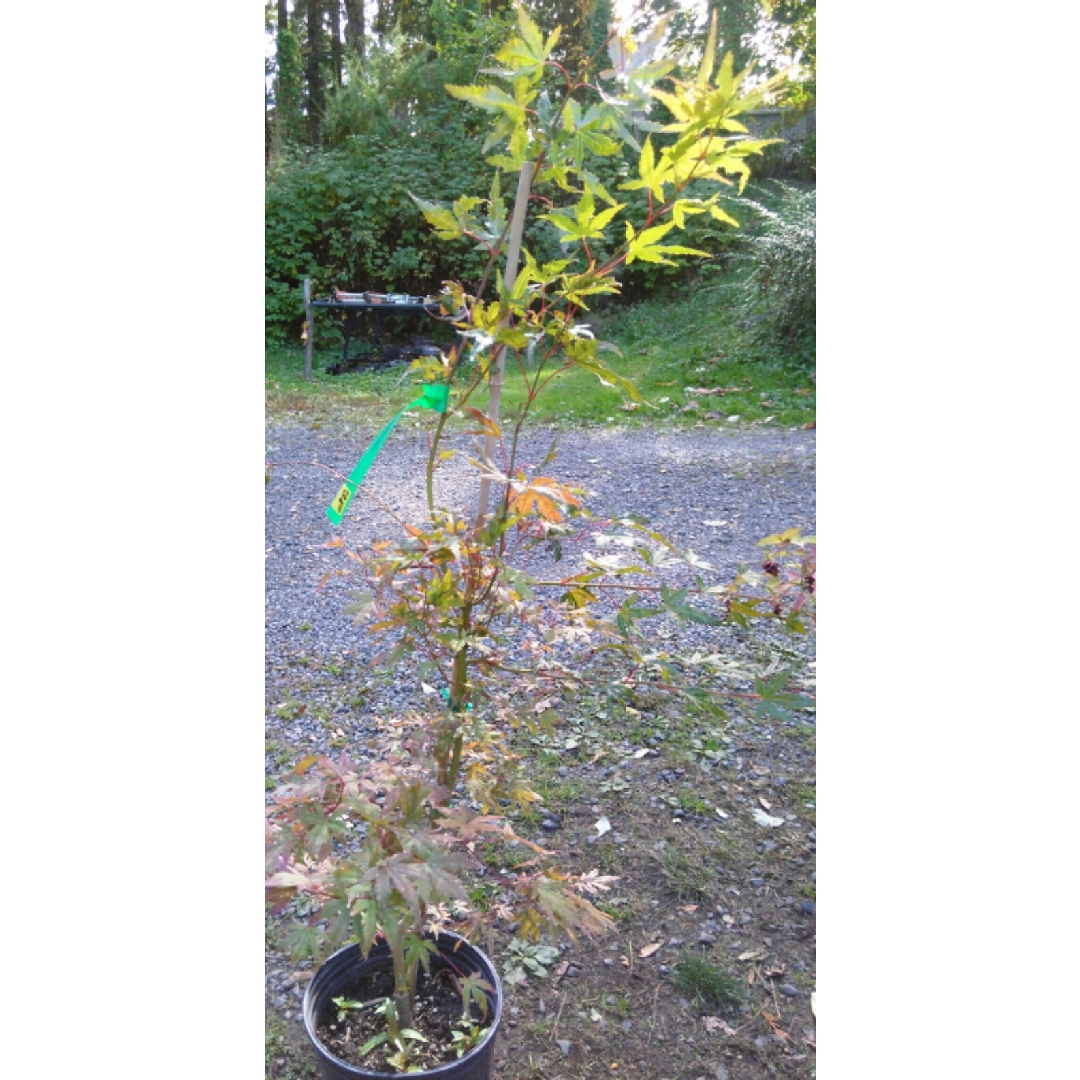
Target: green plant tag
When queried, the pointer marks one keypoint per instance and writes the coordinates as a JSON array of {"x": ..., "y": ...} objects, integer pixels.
[{"x": 435, "y": 396}]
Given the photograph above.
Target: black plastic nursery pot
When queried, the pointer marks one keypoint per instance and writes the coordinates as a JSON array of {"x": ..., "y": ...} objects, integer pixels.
[{"x": 347, "y": 967}]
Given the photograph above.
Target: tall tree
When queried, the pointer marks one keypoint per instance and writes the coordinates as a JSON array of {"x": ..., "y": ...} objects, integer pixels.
[
  {"x": 354, "y": 27},
  {"x": 288, "y": 127},
  {"x": 316, "y": 97},
  {"x": 335, "y": 40},
  {"x": 798, "y": 19},
  {"x": 736, "y": 23}
]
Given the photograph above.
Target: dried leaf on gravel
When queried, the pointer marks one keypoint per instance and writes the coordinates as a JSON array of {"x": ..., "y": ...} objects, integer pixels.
[
  {"x": 767, "y": 820},
  {"x": 774, "y": 1024},
  {"x": 648, "y": 950},
  {"x": 713, "y": 1025},
  {"x": 751, "y": 955}
]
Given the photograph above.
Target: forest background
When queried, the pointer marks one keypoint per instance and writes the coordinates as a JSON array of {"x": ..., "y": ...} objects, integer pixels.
[{"x": 358, "y": 120}]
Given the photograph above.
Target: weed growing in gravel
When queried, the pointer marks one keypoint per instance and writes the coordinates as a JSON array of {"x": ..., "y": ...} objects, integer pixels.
[
  {"x": 705, "y": 983},
  {"x": 688, "y": 877}
]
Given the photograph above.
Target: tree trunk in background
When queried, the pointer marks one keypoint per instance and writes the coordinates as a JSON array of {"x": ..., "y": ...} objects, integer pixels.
[
  {"x": 383, "y": 17},
  {"x": 734, "y": 19},
  {"x": 335, "y": 41},
  {"x": 314, "y": 74},
  {"x": 283, "y": 14},
  {"x": 354, "y": 26}
]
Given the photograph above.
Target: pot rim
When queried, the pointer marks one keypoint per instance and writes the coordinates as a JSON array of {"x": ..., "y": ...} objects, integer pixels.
[{"x": 379, "y": 947}]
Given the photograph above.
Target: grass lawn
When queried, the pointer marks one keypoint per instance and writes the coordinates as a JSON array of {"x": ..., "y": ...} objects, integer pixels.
[{"x": 669, "y": 348}]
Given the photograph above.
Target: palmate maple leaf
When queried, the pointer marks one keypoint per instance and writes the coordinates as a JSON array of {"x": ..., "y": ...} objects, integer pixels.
[
  {"x": 594, "y": 882},
  {"x": 466, "y": 825},
  {"x": 555, "y": 902},
  {"x": 546, "y": 495}
]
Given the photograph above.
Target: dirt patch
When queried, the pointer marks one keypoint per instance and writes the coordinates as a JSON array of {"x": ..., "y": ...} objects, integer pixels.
[{"x": 711, "y": 833}]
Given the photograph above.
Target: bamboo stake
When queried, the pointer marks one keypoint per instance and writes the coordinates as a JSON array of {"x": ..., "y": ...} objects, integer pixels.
[{"x": 513, "y": 257}]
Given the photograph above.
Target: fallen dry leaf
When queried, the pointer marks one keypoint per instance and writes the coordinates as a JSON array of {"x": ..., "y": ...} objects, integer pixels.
[
  {"x": 648, "y": 950},
  {"x": 810, "y": 1038},
  {"x": 767, "y": 805},
  {"x": 774, "y": 1024},
  {"x": 689, "y": 909},
  {"x": 752, "y": 955},
  {"x": 774, "y": 971},
  {"x": 714, "y": 1024},
  {"x": 750, "y": 977},
  {"x": 561, "y": 969}
]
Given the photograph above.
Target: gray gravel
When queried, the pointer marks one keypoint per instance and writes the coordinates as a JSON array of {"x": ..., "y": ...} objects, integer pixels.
[{"x": 715, "y": 490}]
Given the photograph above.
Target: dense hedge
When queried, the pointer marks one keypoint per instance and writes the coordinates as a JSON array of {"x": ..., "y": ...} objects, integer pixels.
[{"x": 344, "y": 218}]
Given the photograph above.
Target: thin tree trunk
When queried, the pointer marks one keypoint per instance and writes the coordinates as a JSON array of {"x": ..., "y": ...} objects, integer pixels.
[
  {"x": 314, "y": 73},
  {"x": 283, "y": 14},
  {"x": 354, "y": 26},
  {"x": 335, "y": 40}
]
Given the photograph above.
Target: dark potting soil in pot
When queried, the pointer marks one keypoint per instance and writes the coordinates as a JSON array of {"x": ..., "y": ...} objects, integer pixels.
[{"x": 437, "y": 1012}]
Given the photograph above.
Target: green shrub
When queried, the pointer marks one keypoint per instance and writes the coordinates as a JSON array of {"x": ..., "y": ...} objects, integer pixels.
[{"x": 778, "y": 296}]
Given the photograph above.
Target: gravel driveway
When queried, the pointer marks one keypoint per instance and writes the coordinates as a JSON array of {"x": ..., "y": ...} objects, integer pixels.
[{"x": 715, "y": 490}]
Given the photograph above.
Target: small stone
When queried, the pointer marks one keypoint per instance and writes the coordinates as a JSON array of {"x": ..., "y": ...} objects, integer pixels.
[
  {"x": 608, "y": 962},
  {"x": 573, "y": 971},
  {"x": 788, "y": 990},
  {"x": 563, "y": 771},
  {"x": 564, "y": 1046},
  {"x": 664, "y": 969},
  {"x": 706, "y": 939},
  {"x": 626, "y": 1025},
  {"x": 757, "y": 882},
  {"x": 809, "y": 907},
  {"x": 550, "y": 824}
]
